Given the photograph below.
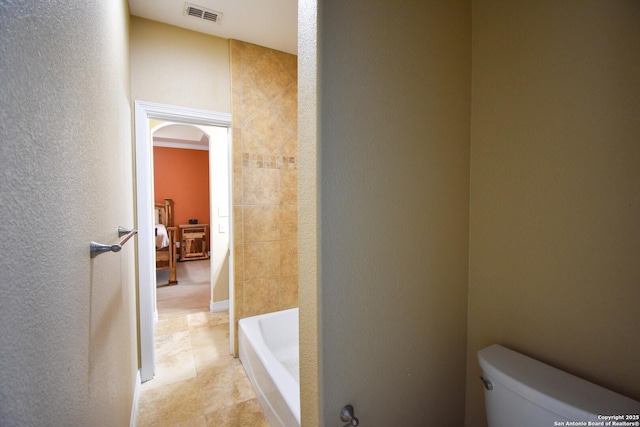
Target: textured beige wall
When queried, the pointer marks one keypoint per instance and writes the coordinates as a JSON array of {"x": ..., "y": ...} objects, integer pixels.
[
  {"x": 308, "y": 229},
  {"x": 555, "y": 189},
  {"x": 219, "y": 176},
  {"x": 171, "y": 65},
  {"x": 265, "y": 192},
  {"x": 68, "y": 349},
  {"x": 393, "y": 90}
]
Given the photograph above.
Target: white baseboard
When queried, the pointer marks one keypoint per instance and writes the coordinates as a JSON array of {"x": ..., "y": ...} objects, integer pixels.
[
  {"x": 219, "y": 306},
  {"x": 136, "y": 399}
]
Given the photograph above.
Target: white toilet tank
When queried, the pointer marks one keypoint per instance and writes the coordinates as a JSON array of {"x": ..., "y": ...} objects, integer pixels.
[{"x": 521, "y": 391}]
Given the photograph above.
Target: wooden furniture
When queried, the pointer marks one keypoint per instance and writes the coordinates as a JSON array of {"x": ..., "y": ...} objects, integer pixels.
[
  {"x": 166, "y": 247},
  {"x": 194, "y": 241}
]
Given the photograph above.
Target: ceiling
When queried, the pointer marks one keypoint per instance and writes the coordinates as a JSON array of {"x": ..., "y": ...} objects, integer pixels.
[
  {"x": 181, "y": 136},
  {"x": 268, "y": 23}
]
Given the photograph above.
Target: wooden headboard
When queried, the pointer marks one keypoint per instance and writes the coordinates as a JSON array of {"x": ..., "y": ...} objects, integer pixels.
[{"x": 165, "y": 211}]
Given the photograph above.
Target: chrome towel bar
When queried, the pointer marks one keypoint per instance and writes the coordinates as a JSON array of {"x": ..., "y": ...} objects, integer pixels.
[{"x": 96, "y": 249}]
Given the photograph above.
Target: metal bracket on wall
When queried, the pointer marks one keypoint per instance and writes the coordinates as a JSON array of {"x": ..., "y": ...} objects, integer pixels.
[
  {"x": 346, "y": 415},
  {"x": 96, "y": 249}
]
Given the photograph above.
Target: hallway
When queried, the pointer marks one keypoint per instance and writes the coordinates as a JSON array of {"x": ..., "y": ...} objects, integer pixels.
[{"x": 197, "y": 381}]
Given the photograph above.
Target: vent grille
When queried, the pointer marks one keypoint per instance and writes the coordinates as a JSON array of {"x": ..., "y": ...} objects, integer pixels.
[{"x": 203, "y": 13}]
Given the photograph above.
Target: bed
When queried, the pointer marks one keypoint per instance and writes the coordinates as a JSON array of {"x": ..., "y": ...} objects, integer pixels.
[{"x": 165, "y": 235}]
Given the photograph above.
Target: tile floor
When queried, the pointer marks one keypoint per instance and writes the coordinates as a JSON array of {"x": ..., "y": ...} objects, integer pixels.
[{"x": 197, "y": 381}]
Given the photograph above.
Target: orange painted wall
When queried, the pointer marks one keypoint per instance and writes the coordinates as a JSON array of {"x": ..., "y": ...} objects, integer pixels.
[{"x": 183, "y": 175}]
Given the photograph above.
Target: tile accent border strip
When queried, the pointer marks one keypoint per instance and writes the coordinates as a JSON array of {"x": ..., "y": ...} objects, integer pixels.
[{"x": 267, "y": 161}]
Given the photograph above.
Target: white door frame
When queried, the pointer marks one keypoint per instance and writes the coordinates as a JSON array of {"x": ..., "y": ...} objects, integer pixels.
[{"x": 145, "y": 111}]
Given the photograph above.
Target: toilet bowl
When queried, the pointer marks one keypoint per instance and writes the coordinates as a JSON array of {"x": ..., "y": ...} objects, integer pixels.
[{"x": 521, "y": 391}]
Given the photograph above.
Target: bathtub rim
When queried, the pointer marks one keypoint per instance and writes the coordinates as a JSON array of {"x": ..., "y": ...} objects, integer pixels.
[{"x": 249, "y": 328}]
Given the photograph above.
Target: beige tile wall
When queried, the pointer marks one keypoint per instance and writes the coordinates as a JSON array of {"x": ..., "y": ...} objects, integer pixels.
[{"x": 265, "y": 178}]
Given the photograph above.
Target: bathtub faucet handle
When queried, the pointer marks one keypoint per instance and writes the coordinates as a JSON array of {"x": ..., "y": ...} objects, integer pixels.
[{"x": 346, "y": 414}]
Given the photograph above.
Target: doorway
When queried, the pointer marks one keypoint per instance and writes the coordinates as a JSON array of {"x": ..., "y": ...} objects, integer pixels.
[
  {"x": 145, "y": 112},
  {"x": 182, "y": 177}
]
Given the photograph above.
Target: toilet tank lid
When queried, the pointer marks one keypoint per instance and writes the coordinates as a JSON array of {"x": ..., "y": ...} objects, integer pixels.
[{"x": 551, "y": 388}]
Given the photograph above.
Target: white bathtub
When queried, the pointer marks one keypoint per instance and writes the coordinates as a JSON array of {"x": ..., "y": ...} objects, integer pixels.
[{"x": 268, "y": 347}]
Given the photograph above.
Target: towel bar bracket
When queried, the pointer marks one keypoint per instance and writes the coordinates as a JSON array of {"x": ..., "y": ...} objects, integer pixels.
[{"x": 96, "y": 248}]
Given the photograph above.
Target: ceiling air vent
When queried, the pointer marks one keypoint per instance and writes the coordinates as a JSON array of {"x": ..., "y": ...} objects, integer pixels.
[{"x": 200, "y": 12}]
